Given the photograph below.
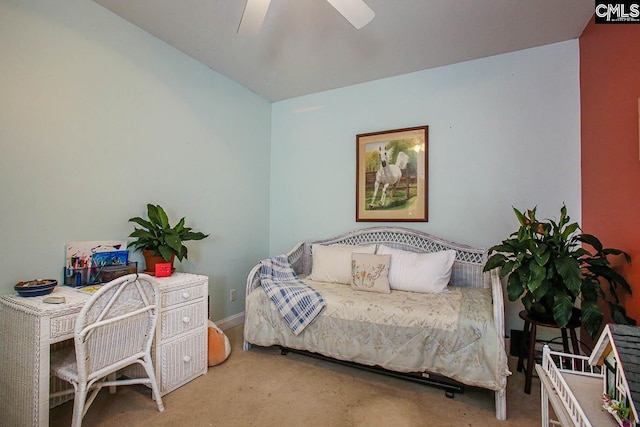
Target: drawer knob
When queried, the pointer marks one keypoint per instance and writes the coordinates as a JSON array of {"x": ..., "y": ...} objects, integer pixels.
[
  {"x": 185, "y": 295},
  {"x": 187, "y": 358},
  {"x": 186, "y": 319}
]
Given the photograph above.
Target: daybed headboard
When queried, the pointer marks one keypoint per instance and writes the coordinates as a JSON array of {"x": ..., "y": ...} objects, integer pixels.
[{"x": 467, "y": 267}]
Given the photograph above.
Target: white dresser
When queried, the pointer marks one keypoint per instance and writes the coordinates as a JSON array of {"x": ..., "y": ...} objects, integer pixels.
[
  {"x": 181, "y": 336},
  {"x": 28, "y": 328}
]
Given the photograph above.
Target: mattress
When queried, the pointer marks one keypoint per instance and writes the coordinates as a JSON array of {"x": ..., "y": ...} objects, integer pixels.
[{"x": 450, "y": 334}]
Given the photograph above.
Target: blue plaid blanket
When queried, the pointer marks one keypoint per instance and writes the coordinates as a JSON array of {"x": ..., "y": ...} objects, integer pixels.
[{"x": 298, "y": 303}]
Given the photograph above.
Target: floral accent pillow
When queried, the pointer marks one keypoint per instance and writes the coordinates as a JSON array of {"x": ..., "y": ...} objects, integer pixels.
[{"x": 370, "y": 272}]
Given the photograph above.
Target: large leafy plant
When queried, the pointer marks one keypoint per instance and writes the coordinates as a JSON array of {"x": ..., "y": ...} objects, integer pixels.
[
  {"x": 159, "y": 236},
  {"x": 549, "y": 269}
]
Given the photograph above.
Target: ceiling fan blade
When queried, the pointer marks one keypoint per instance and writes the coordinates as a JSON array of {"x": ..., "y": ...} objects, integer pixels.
[
  {"x": 355, "y": 11},
  {"x": 253, "y": 17}
]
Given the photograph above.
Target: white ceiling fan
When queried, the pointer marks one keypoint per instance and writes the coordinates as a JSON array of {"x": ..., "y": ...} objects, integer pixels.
[{"x": 355, "y": 11}]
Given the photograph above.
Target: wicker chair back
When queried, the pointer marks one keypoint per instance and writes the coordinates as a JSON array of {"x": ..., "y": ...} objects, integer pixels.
[{"x": 114, "y": 329}]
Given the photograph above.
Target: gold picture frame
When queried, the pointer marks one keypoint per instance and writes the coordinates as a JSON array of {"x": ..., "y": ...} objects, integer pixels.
[{"x": 391, "y": 175}]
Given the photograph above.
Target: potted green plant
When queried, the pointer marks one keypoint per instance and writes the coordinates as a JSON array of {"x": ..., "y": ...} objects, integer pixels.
[
  {"x": 549, "y": 269},
  {"x": 157, "y": 238}
]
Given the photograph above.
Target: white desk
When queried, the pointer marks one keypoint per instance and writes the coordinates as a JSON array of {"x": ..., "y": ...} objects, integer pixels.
[{"x": 28, "y": 327}]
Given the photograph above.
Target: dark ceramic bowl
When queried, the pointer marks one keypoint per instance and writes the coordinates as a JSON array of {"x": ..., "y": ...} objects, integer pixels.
[{"x": 35, "y": 288}]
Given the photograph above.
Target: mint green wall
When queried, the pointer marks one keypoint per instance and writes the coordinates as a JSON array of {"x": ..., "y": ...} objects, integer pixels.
[
  {"x": 99, "y": 118},
  {"x": 503, "y": 131}
]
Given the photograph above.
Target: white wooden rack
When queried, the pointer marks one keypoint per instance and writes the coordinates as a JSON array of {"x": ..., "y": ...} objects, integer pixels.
[{"x": 574, "y": 389}]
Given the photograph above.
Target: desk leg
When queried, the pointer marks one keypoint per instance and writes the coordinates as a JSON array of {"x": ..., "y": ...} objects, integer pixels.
[
  {"x": 20, "y": 379},
  {"x": 44, "y": 383},
  {"x": 530, "y": 357}
]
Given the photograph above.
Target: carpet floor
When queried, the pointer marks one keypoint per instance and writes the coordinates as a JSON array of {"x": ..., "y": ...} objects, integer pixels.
[{"x": 263, "y": 388}]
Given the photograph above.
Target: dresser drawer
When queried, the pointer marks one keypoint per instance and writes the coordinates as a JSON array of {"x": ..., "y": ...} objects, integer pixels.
[
  {"x": 190, "y": 293},
  {"x": 182, "y": 319},
  {"x": 182, "y": 360}
]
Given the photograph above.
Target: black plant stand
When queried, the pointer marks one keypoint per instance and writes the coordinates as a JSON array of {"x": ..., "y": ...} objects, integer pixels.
[{"x": 531, "y": 324}]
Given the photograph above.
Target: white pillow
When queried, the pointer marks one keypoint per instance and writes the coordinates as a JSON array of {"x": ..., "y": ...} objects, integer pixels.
[
  {"x": 332, "y": 263},
  {"x": 419, "y": 272}
]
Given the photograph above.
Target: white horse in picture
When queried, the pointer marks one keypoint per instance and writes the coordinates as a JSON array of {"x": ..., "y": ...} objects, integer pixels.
[{"x": 388, "y": 175}]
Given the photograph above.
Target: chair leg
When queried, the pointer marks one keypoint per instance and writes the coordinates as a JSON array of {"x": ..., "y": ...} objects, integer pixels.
[
  {"x": 112, "y": 377},
  {"x": 78, "y": 405},
  {"x": 92, "y": 393},
  {"x": 148, "y": 367}
]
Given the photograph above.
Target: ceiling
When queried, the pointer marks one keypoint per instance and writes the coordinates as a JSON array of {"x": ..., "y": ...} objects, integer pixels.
[{"x": 306, "y": 46}]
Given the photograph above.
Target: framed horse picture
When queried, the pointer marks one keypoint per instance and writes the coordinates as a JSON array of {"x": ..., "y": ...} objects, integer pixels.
[{"x": 391, "y": 175}]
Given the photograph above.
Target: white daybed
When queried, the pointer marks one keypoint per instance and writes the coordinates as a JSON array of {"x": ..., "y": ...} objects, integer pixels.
[{"x": 458, "y": 334}]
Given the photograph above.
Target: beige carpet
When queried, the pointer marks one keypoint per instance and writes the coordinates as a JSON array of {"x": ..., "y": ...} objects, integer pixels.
[{"x": 263, "y": 388}]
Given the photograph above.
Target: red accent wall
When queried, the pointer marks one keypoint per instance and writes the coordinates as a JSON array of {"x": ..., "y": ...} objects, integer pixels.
[{"x": 610, "y": 88}]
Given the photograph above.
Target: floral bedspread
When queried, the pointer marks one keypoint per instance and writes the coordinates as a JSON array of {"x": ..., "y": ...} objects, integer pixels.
[{"x": 451, "y": 334}]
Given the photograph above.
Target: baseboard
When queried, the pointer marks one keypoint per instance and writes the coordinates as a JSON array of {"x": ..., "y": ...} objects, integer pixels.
[{"x": 231, "y": 321}]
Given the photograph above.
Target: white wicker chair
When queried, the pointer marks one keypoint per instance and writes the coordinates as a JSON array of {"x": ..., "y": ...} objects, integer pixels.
[{"x": 114, "y": 329}]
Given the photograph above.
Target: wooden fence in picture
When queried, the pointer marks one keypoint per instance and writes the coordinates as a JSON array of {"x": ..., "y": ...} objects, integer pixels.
[{"x": 406, "y": 182}]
